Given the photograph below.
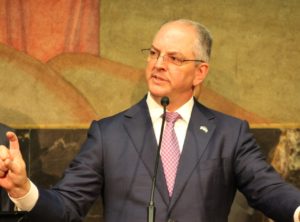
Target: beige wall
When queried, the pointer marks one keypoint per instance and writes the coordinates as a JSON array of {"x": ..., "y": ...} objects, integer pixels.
[
  {"x": 253, "y": 74},
  {"x": 256, "y": 51}
]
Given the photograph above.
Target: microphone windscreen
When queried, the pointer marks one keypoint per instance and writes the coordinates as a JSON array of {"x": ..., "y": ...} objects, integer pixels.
[{"x": 164, "y": 101}]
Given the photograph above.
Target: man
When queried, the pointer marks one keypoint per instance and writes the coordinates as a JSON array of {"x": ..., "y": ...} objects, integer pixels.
[
  {"x": 216, "y": 153},
  {"x": 5, "y": 203}
]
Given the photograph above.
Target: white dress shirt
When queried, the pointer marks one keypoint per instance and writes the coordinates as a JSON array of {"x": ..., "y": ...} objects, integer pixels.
[{"x": 180, "y": 127}]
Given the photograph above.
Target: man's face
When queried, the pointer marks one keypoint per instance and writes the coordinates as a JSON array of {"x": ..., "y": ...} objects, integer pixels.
[{"x": 165, "y": 78}]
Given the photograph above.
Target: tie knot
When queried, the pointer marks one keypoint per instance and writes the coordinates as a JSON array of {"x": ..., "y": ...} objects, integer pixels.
[{"x": 172, "y": 117}]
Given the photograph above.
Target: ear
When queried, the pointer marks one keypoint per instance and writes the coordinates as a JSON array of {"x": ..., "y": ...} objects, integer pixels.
[{"x": 200, "y": 73}]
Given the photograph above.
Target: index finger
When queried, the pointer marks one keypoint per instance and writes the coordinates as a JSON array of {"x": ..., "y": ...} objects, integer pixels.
[{"x": 13, "y": 140}]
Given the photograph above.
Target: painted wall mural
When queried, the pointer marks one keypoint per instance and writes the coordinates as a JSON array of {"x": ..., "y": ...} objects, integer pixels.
[{"x": 252, "y": 75}]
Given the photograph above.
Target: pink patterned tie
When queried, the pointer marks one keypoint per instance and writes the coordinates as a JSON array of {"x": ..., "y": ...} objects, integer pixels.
[{"x": 170, "y": 152}]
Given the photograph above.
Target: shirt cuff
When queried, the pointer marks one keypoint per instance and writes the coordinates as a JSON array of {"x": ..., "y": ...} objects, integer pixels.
[
  {"x": 27, "y": 202},
  {"x": 296, "y": 215}
]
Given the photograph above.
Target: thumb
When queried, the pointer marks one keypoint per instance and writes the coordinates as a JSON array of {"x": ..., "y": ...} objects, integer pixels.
[{"x": 14, "y": 146}]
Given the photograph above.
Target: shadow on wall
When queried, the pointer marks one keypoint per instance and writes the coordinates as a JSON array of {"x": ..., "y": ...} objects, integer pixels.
[
  {"x": 12, "y": 117},
  {"x": 35, "y": 90}
]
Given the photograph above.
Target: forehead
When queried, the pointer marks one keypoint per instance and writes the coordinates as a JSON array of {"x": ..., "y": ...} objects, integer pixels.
[{"x": 175, "y": 37}]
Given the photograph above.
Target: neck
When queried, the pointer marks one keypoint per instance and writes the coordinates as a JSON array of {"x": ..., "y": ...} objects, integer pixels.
[{"x": 174, "y": 104}]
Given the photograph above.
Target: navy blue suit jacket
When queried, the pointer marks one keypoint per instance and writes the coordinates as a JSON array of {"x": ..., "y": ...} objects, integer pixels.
[{"x": 117, "y": 162}]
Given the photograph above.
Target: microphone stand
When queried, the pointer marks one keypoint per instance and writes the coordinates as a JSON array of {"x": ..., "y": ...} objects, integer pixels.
[{"x": 151, "y": 207}]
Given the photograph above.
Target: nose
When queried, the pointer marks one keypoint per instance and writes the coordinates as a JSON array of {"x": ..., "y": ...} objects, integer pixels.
[{"x": 160, "y": 62}]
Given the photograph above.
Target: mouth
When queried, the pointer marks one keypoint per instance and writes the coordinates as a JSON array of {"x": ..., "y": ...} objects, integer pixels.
[{"x": 158, "y": 78}]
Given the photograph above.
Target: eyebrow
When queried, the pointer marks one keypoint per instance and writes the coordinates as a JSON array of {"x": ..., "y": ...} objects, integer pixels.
[{"x": 169, "y": 53}]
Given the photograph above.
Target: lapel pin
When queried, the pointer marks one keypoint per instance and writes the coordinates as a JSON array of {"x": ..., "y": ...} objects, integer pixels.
[{"x": 204, "y": 129}]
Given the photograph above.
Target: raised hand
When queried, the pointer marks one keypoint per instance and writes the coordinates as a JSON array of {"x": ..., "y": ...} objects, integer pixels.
[{"x": 13, "y": 176}]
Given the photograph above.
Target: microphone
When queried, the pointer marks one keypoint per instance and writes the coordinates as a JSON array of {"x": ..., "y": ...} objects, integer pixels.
[{"x": 151, "y": 207}]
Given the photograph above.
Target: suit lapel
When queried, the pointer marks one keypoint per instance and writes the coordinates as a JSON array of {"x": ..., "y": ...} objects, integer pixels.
[
  {"x": 140, "y": 131},
  {"x": 199, "y": 132}
]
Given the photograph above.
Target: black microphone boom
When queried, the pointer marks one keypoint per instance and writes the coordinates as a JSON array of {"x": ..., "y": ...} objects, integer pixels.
[{"x": 151, "y": 207}]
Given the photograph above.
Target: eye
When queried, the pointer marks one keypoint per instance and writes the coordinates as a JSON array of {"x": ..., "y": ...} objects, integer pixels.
[
  {"x": 175, "y": 59},
  {"x": 153, "y": 53}
]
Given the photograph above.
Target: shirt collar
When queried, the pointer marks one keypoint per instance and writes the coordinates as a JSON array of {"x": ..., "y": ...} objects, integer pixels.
[{"x": 156, "y": 109}]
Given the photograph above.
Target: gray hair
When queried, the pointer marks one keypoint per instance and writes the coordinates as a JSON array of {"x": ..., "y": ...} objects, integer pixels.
[{"x": 204, "y": 39}]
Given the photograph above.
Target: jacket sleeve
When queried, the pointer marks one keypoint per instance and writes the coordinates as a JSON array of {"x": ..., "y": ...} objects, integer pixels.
[
  {"x": 81, "y": 185},
  {"x": 263, "y": 187}
]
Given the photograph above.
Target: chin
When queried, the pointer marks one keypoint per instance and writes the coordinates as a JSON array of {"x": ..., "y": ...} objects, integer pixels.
[{"x": 158, "y": 92}]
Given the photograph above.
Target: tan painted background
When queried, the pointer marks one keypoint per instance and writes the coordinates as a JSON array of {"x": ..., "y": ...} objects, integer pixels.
[{"x": 253, "y": 74}]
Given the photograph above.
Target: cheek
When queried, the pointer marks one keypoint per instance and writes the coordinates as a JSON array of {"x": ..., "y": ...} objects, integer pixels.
[
  {"x": 182, "y": 77},
  {"x": 175, "y": 73},
  {"x": 148, "y": 69}
]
